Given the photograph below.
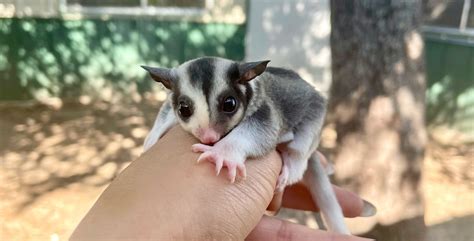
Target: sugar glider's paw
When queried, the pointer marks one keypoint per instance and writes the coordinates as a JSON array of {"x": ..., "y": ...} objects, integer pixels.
[{"x": 222, "y": 157}]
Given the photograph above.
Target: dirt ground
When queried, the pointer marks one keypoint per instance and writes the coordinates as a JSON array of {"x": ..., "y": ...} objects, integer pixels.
[{"x": 55, "y": 161}]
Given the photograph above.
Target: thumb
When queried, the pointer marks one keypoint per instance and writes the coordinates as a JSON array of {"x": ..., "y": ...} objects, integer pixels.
[
  {"x": 221, "y": 209},
  {"x": 224, "y": 210}
]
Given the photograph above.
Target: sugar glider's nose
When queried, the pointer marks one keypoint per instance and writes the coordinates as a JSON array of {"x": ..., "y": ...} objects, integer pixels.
[{"x": 208, "y": 136}]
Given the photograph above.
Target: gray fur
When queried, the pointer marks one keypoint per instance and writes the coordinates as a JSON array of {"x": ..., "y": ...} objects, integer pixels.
[
  {"x": 260, "y": 131},
  {"x": 296, "y": 100},
  {"x": 262, "y": 115}
]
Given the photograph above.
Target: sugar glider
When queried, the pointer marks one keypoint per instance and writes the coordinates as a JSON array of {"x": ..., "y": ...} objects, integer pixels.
[{"x": 244, "y": 110}]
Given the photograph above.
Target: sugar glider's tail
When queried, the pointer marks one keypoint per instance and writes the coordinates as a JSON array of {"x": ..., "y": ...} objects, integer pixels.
[{"x": 317, "y": 181}]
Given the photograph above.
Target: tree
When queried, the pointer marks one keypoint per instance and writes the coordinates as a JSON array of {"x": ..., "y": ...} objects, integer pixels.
[{"x": 377, "y": 109}]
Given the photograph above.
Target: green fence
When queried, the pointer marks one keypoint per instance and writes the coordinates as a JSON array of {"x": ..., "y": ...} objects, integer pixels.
[
  {"x": 65, "y": 58},
  {"x": 450, "y": 73}
]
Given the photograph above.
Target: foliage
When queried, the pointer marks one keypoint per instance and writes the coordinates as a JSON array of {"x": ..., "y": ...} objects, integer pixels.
[{"x": 67, "y": 58}]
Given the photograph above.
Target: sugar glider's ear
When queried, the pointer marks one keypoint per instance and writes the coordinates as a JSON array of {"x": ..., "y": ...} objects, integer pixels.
[
  {"x": 162, "y": 75},
  {"x": 250, "y": 70}
]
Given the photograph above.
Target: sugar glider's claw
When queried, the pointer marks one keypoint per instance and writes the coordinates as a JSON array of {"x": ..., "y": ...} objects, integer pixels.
[
  {"x": 214, "y": 158},
  {"x": 200, "y": 147},
  {"x": 206, "y": 156},
  {"x": 219, "y": 164},
  {"x": 232, "y": 168},
  {"x": 242, "y": 170}
]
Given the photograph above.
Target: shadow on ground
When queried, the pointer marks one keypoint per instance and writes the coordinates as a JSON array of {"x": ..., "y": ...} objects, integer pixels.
[{"x": 42, "y": 150}]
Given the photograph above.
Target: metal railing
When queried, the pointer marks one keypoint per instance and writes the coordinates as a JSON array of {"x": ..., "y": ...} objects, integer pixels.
[
  {"x": 145, "y": 9},
  {"x": 53, "y": 8},
  {"x": 449, "y": 35}
]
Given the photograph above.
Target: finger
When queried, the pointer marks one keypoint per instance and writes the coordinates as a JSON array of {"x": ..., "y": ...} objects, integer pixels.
[
  {"x": 298, "y": 197},
  {"x": 275, "y": 204},
  {"x": 271, "y": 228}
]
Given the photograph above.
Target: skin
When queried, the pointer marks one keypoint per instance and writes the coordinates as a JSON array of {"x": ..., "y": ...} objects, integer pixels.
[{"x": 165, "y": 195}]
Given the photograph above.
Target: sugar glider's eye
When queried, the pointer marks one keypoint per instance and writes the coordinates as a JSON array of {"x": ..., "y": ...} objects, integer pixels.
[
  {"x": 229, "y": 105},
  {"x": 184, "y": 109}
]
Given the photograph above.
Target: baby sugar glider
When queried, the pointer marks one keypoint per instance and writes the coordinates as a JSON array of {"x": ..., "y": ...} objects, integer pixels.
[{"x": 244, "y": 110}]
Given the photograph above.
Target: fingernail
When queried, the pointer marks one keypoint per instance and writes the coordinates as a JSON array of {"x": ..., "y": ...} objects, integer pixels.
[{"x": 368, "y": 209}]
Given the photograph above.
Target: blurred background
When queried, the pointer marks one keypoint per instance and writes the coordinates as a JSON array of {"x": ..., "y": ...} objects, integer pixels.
[{"x": 75, "y": 106}]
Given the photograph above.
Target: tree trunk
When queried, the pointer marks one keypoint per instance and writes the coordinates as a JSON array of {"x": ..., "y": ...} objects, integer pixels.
[{"x": 377, "y": 109}]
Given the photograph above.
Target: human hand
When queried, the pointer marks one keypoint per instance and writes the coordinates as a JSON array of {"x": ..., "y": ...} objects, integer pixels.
[{"x": 165, "y": 195}]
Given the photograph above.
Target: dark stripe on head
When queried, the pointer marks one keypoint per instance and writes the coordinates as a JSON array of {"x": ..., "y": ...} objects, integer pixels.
[
  {"x": 233, "y": 77},
  {"x": 233, "y": 73},
  {"x": 201, "y": 74}
]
